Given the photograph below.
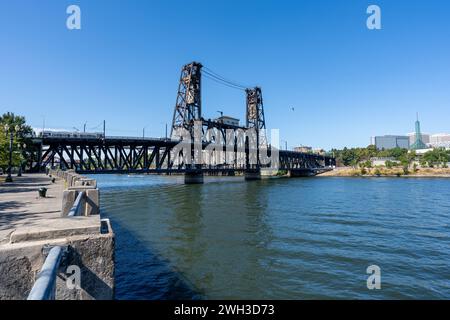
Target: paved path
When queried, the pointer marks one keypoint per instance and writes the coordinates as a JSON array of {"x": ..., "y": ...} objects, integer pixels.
[{"x": 20, "y": 205}]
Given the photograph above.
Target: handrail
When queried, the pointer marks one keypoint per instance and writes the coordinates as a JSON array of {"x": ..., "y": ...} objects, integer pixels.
[
  {"x": 45, "y": 286},
  {"x": 76, "y": 207}
]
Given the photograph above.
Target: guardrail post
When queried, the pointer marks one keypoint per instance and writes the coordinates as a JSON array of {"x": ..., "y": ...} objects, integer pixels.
[
  {"x": 69, "y": 197},
  {"x": 92, "y": 202}
]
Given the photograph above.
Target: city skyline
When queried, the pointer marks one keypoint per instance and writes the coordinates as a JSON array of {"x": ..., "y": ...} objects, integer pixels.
[
  {"x": 427, "y": 140},
  {"x": 321, "y": 89}
]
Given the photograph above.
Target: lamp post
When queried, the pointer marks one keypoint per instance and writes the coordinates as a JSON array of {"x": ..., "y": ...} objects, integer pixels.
[
  {"x": 285, "y": 144},
  {"x": 11, "y": 130},
  {"x": 23, "y": 147}
]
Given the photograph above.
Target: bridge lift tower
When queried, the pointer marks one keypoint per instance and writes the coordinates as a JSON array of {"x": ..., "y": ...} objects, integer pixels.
[
  {"x": 256, "y": 121},
  {"x": 188, "y": 107}
]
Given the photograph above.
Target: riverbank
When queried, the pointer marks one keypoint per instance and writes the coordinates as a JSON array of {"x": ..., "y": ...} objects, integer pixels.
[{"x": 388, "y": 172}]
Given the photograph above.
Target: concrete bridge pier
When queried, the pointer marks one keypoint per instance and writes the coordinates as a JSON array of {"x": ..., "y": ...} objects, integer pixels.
[
  {"x": 294, "y": 173},
  {"x": 253, "y": 174},
  {"x": 193, "y": 177}
]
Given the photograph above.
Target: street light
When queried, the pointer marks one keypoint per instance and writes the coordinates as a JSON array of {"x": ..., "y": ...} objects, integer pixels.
[
  {"x": 285, "y": 141},
  {"x": 11, "y": 130},
  {"x": 23, "y": 147}
]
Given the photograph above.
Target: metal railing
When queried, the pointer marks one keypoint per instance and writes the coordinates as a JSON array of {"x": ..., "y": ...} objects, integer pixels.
[
  {"x": 45, "y": 286},
  {"x": 77, "y": 206}
]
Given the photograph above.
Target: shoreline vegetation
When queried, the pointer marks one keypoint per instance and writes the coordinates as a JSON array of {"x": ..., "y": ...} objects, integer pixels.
[
  {"x": 397, "y": 162},
  {"x": 388, "y": 172}
]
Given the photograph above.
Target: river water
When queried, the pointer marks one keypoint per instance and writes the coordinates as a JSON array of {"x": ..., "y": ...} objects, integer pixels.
[{"x": 304, "y": 238}]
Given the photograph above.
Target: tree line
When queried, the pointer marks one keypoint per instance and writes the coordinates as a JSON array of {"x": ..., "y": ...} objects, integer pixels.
[{"x": 438, "y": 157}]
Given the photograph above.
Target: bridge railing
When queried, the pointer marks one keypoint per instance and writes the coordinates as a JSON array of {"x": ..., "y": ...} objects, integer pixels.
[
  {"x": 137, "y": 138},
  {"x": 45, "y": 286}
]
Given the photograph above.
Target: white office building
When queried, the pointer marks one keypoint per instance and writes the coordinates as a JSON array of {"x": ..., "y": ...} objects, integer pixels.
[{"x": 440, "y": 140}]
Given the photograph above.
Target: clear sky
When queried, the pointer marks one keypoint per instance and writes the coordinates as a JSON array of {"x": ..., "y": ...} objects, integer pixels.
[{"x": 345, "y": 82}]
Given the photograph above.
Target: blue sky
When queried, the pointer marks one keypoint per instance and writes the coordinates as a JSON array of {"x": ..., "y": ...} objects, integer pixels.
[{"x": 344, "y": 81}]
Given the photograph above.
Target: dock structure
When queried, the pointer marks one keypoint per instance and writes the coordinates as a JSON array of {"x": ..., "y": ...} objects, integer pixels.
[{"x": 32, "y": 225}]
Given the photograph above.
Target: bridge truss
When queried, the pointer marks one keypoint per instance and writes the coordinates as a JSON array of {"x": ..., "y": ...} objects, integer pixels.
[{"x": 137, "y": 155}]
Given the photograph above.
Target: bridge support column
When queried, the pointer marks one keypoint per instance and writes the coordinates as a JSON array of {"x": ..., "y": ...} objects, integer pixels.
[
  {"x": 294, "y": 173},
  {"x": 193, "y": 177},
  {"x": 253, "y": 174}
]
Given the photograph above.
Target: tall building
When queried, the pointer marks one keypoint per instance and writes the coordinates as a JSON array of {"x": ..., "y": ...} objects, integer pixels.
[
  {"x": 391, "y": 142},
  {"x": 418, "y": 143}
]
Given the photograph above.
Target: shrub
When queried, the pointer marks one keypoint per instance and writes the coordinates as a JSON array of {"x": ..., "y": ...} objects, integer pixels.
[{"x": 405, "y": 170}]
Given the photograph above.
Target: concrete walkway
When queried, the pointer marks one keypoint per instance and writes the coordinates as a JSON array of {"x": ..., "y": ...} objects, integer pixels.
[
  {"x": 20, "y": 205},
  {"x": 28, "y": 223}
]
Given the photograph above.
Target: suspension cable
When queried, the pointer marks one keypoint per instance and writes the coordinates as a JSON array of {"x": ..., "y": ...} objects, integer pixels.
[
  {"x": 222, "y": 79},
  {"x": 223, "y": 83}
]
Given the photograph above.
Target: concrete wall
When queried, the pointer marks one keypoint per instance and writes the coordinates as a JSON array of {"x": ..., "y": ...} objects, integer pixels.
[{"x": 93, "y": 254}]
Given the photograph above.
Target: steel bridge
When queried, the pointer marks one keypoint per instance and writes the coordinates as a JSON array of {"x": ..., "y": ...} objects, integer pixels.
[{"x": 107, "y": 154}]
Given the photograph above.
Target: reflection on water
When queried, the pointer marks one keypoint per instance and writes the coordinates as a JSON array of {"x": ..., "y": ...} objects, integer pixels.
[{"x": 278, "y": 238}]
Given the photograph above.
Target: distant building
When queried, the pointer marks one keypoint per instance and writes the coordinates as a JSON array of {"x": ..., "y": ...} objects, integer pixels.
[
  {"x": 425, "y": 138},
  {"x": 228, "y": 120},
  {"x": 390, "y": 142},
  {"x": 440, "y": 140},
  {"x": 418, "y": 143},
  {"x": 303, "y": 149},
  {"x": 320, "y": 152}
]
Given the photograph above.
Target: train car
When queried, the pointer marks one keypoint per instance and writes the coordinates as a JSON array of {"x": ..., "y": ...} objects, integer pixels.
[{"x": 71, "y": 134}]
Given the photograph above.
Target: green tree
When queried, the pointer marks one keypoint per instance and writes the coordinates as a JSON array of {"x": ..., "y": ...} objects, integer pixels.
[
  {"x": 20, "y": 139},
  {"x": 411, "y": 157},
  {"x": 354, "y": 156},
  {"x": 436, "y": 157}
]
